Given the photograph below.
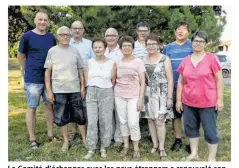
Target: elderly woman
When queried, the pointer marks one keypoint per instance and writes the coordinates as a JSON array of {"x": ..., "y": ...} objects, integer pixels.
[
  {"x": 129, "y": 92},
  {"x": 200, "y": 96},
  {"x": 159, "y": 93},
  {"x": 100, "y": 77}
]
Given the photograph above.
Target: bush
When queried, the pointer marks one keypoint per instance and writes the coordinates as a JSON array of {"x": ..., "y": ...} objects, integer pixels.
[{"x": 12, "y": 50}]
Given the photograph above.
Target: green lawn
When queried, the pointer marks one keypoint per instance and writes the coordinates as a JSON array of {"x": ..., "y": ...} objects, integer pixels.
[{"x": 18, "y": 149}]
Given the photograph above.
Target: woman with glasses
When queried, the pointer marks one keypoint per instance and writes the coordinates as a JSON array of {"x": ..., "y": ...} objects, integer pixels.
[
  {"x": 158, "y": 94},
  {"x": 129, "y": 92},
  {"x": 200, "y": 95}
]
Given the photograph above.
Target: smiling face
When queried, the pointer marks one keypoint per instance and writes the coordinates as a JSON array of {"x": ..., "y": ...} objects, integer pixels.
[
  {"x": 41, "y": 21},
  {"x": 152, "y": 46},
  {"x": 98, "y": 48},
  {"x": 198, "y": 44},
  {"x": 77, "y": 30},
  {"x": 142, "y": 33},
  {"x": 181, "y": 33},
  {"x": 64, "y": 36},
  {"x": 111, "y": 37},
  {"x": 127, "y": 48}
]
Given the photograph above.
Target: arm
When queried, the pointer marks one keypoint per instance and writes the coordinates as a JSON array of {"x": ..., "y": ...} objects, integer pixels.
[
  {"x": 219, "y": 83},
  {"x": 113, "y": 74},
  {"x": 179, "y": 106},
  {"x": 21, "y": 59},
  {"x": 169, "y": 76},
  {"x": 49, "y": 92},
  {"x": 141, "y": 92},
  {"x": 86, "y": 72},
  {"x": 82, "y": 82}
]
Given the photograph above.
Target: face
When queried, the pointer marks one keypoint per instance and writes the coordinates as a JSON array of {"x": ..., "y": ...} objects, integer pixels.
[
  {"x": 127, "y": 48},
  {"x": 77, "y": 30},
  {"x": 198, "y": 44},
  {"x": 152, "y": 46},
  {"x": 142, "y": 33},
  {"x": 98, "y": 48},
  {"x": 41, "y": 21},
  {"x": 64, "y": 36},
  {"x": 181, "y": 33},
  {"x": 111, "y": 37}
]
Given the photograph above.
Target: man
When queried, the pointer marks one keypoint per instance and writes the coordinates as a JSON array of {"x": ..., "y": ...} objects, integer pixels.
[
  {"x": 64, "y": 80},
  {"x": 142, "y": 30},
  {"x": 84, "y": 47},
  {"x": 33, "y": 48},
  {"x": 176, "y": 51},
  {"x": 113, "y": 52}
]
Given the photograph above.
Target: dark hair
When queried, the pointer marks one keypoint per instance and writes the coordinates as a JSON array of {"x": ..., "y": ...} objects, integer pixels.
[
  {"x": 99, "y": 39},
  {"x": 181, "y": 24},
  {"x": 142, "y": 24},
  {"x": 126, "y": 38},
  {"x": 200, "y": 34},
  {"x": 153, "y": 37}
]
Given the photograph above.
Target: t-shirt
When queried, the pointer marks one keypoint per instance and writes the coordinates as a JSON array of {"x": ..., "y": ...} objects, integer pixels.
[
  {"x": 199, "y": 85},
  {"x": 65, "y": 64},
  {"x": 176, "y": 53},
  {"x": 35, "y": 48},
  {"x": 127, "y": 81},
  {"x": 115, "y": 54},
  {"x": 100, "y": 74}
]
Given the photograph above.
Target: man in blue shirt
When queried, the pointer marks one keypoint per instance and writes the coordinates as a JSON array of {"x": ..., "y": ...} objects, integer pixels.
[
  {"x": 176, "y": 51},
  {"x": 32, "y": 52}
]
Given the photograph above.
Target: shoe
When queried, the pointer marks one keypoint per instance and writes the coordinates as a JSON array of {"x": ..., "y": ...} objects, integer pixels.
[
  {"x": 124, "y": 154},
  {"x": 136, "y": 155},
  {"x": 65, "y": 147},
  {"x": 162, "y": 154},
  {"x": 89, "y": 155},
  {"x": 191, "y": 158},
  {"x": 103, "y": 153},
  {"x": 73, "y": 136},
  {"x": 52, "y": 139},
  {"x": 154, "y": 149},
  {"x": 176, "y": 146},
  {"x": 34, "y": 144},
  {"x": 187, "y": 148},
  {"x": 117, "y": 144}
]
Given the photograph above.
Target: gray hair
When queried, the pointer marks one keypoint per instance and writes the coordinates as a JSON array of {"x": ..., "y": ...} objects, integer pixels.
[
  {"x": 63, "y": 27},
  {"x": 111, "y": 28},
  {"x": 77, "y": 22}
]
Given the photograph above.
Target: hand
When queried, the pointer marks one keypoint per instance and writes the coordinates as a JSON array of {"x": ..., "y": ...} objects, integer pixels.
[
  {"x": 219, "y": 105},
  {"x": 169, "y": 103},
  {"x": 82, "y": 91},
  {"x": 179, "y": 106},
  {"x": 50, "y": 97},
  {"x": 23, "y": 72},
  {"x": 139, "y": 104}
]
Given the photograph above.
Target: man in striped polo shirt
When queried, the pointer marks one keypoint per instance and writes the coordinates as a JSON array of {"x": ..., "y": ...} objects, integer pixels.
[{"x": 176, "y": 51}]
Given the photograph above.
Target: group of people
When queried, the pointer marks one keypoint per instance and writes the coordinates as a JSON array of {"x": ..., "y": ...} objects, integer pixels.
[{"x": 104, "y": 86}]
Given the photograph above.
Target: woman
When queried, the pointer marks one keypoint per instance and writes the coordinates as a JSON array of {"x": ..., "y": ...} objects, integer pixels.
[
  {"x": 100, "y": 77},
  {"x": 200, "y": 95},
  {"x": 129, "y": 92},
  {"x": 159, "y": 93}
]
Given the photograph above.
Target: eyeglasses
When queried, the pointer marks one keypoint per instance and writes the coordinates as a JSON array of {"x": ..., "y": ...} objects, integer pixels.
[
  {"x": 201, "y": 42},
  {"x": 110, "y": 35},
  {"x": 151, "y": 44},
  {"x": 127, "y": 46},
  {"x": 64, "y": 35},
  {"x": 77, "y": 28},
  {"x": 143, "y": 31}
]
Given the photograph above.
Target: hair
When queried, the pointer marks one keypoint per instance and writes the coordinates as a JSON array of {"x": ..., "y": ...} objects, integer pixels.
[
  {"x": 142, "y": 24},
  {"x": 99, "y": 39},
  {"x": 126, "y": 38},
  {"x": 153, "y": 37},
  {"x": 63, "y": 27},
  {"x": 200, "y": 34},
  {"x": 181, "y": 24},
  {"x": 77, "y": 22},
  {"x": 111, "y": 28}
]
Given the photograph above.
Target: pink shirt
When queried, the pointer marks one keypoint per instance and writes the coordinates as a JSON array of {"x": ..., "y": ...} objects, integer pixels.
[
  {"x": 127, "y": 81},
  {"x": 199, "y": 85}
]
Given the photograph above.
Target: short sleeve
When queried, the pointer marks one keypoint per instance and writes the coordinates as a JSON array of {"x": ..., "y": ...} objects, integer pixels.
[
  {"x": 215, "y": 65},
  {"x": 79, "y": 61},
  {"x": 23, "y": 45},
  {"x": 164, "y": 50},
  {"x": 141, "y": 67},
  {"x": 181, "y": 66},
  {"x": 48, "y": 62}
]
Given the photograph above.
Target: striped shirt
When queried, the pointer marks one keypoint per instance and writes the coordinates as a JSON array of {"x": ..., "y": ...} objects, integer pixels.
[{"x": 139, "y": 51}]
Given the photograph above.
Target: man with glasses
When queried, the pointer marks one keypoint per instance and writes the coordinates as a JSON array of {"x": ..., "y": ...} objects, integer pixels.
[
  {"x": 176, "y": 51},
  {"x": 84, "y": 47},
  {"x": 142, "y": 30},
  {"x": 113, "y": 52},
  {"x": 64, "y": 82},
  {"x": 32, "y": 51}
]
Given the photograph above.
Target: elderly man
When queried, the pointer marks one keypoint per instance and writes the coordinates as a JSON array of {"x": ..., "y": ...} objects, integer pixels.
[
  {"x": 113, "y": 52},
  {"x": 33, "y": 48},
  {"x": 64, "y": 81},
  {"x": 84, "y": 47},
  {"x": 142, "y": 30}
]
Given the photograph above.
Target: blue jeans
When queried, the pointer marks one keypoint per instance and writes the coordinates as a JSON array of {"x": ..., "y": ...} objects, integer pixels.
[{"x": 33, "y": 94}]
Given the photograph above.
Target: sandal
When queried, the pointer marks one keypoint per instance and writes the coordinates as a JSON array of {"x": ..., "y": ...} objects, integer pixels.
[
  {"x": 136, "y": 155},
  {"x": 65, "y": 147},
  {"x": 162, "y": 154},
  {"x": 154, "y": 149},
  {"x": 34, "y": 144},
  {"x": 52, "y": 139}
]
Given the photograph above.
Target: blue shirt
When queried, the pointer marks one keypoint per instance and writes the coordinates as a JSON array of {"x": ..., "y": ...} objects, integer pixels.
[
  {"x": 35, "y": 48},
  {"x": 85, "y": 49},
  {"x": 176, "y": 53}
]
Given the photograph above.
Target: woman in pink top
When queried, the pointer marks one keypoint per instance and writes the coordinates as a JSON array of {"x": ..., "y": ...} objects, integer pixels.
[
  {"x": 200, "y": 96},
  {"x": 129, "y": 92}
]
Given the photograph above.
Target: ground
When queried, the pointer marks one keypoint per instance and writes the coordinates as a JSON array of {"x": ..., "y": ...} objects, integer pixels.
[{"x": 18, "y": 144}]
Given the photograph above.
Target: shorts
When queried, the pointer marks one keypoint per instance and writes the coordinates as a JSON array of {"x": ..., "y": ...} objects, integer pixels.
[
  {"x": 68, "y": 107},
  {"x": 33, "y": 94}
]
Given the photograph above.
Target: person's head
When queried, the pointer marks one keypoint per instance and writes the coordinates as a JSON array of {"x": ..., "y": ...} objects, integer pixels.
[
  {"x": 199, "y": 40},
  {"x": 63, "y": 35},
  {"x": 77, "y": 29},
  {"x": 152, "y": 42},
  {"x": 41, "y": 21},
  {"x": 126, "y": 44},
  {"x": 181, "y": 31},
  {"x": 99, "y": 46},
  {"x": 142, "y": 30},
  {"x": 111, "y": 37}
]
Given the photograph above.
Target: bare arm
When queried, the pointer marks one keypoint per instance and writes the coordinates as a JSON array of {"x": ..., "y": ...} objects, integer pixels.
[
  {"x": 179, "y": 107},
  {"x": 86, "y": 72},
  {"x": 50, "y": 96},
  {"x": 219, "y": 83},
  {"x": 141, "y": 92},
  {"x": 113, "y": 74},
  {"x": 169, "y": 76},
  {"x": 21, "y": 58}
]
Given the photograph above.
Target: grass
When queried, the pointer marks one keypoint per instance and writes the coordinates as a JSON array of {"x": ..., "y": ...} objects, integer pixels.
[{"x": 18, "y": 144}]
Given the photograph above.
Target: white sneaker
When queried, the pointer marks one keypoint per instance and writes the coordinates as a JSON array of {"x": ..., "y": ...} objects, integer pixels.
[
  {"x": 89, "y": 155},
  {"x": 103, "y": 153}
]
